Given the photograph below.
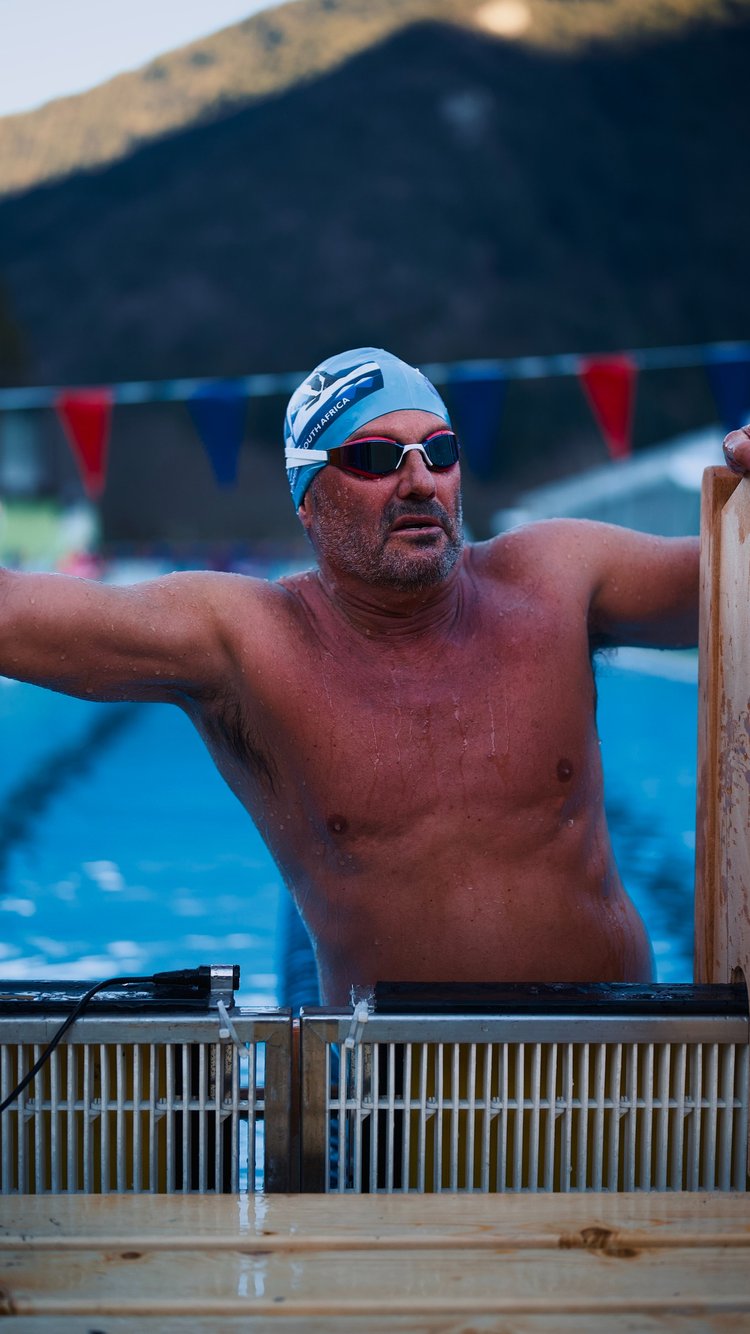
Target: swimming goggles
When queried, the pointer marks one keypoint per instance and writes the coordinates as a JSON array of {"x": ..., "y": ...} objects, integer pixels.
[{"x": 377, "y": 456}]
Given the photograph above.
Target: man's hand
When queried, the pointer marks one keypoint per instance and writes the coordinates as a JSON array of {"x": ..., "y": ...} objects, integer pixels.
[{"x": 737, "y": 450}]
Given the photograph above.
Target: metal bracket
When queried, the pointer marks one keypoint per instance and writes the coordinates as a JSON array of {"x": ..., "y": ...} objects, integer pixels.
[{"x": 225, "y": 978}]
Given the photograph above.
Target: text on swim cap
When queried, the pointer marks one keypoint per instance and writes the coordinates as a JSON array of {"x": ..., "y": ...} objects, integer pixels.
[{"x": 323, "y": 421}]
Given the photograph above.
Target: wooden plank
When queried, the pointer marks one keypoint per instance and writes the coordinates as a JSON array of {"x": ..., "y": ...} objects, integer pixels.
[
  {"x": 553, "y": 1263},
  {"x": 461, "y": 1220},
  {"x": 592, "y": 1237},
  {"x": 722, "y": 900},
  {"x": 734, "y": 769},
  {"x": 317, "y": 1284},
  {"x": 663, "y": 1323},
  {"x": 666, "y": 1322}
]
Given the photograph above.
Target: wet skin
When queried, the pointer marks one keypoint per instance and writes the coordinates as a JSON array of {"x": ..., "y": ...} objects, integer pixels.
[{"x": 411, "y": 726}]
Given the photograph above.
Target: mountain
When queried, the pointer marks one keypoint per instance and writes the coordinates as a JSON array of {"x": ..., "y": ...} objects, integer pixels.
[
  {"x": 283, "y": 46},
  {"x": 443, "y": 192}
]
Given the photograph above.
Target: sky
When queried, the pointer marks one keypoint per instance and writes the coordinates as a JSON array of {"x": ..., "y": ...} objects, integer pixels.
[{"x": 51, "y": 48}]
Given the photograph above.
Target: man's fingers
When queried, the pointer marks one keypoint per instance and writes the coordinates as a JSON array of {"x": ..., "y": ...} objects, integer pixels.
[{"x": 737, "y": 450}]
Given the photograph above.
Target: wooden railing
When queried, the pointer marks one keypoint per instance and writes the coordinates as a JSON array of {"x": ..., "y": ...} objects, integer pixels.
[{"x": 722, "y": 890}]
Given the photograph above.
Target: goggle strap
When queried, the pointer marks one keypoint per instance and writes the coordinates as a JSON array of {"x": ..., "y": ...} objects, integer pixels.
[{"x": 297, "y": 458}]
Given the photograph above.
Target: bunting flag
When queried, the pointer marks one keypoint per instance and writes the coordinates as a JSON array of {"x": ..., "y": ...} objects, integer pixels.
[
  {"x": 477, "y": 405},
  {"x": 218, "y": 411},
  {"x": 730, "y": 385},
  {"x": 609, "y": 385},
  {"x": 85, "y": 416}
]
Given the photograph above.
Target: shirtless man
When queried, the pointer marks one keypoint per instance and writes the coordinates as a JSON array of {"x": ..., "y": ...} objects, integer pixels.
[{"x": 412, "y": 725}]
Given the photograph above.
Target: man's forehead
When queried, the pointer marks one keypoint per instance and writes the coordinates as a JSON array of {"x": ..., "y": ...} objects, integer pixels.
[{"x": 406, "y": 425}]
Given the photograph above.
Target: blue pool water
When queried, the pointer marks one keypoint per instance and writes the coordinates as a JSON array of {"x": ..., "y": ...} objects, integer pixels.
[
  {"x": 648, "y": 724},
  {"x": 134, "y": 856},
  {"x": 122, "y": 851}
]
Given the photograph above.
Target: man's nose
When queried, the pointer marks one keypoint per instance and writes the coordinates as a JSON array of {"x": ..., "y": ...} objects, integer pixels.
[{"x": 414, "y": 477}]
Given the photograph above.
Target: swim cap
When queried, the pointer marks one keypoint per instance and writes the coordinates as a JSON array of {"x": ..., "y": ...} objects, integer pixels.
[{"x": 343, "y": 393}]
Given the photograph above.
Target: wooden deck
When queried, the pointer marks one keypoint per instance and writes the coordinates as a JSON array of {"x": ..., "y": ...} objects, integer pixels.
[{"x": 437, "y": 1265}]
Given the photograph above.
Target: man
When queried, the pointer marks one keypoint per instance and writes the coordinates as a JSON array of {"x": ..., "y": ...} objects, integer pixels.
[{"x": 412, "y": 725}]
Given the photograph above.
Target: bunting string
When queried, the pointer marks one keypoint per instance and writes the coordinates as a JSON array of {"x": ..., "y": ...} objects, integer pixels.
[
  {"x": 475, "y": 391},
  {"x": 441, "y": 372}
]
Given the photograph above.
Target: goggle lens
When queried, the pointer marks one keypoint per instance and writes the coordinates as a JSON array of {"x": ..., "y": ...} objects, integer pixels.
[{"x": 378, "y": 457}]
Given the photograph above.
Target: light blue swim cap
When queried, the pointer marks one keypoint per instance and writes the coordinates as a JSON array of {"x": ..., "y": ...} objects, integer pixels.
[{"x": 343, "y": 393}]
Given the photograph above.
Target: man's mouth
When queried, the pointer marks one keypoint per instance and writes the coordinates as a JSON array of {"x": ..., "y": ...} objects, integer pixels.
[{"x": 416, "y": 522}]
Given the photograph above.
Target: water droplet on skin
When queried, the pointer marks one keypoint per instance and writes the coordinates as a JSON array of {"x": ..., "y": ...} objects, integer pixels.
[{"x": 570, "y": 823}]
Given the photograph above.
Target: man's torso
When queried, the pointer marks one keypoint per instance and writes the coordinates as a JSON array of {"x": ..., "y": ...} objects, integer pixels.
[{"x": 433, "y": 797}]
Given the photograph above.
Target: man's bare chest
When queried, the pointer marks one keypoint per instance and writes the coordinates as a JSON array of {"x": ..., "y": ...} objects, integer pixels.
[{"x": 503, "y": 718}]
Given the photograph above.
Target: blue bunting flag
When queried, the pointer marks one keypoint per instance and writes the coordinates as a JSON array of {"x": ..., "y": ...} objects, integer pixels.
[
  {"x": 477, "y": 406},
  {"x": 729, "y": 378},
  {"x": 218, "y": 410}
]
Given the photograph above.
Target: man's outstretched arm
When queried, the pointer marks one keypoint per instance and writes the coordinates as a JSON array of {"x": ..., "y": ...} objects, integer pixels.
[
  {"x": 159, "y": 640},
  {"x": 646, "y": 588}
]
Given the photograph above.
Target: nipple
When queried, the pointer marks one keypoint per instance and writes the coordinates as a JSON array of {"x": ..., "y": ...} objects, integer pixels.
[
  {"x": 337, "y": 824},
  {"x": 564, "y": 770}
]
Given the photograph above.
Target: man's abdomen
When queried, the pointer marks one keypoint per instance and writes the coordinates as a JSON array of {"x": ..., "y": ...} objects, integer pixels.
[{"x": 538, "y": 919}]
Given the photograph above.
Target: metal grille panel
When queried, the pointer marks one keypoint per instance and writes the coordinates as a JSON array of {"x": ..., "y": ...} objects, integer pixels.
[
  {"x": 183, "y": 1111},
  {"x": 534, "y": 1115}
]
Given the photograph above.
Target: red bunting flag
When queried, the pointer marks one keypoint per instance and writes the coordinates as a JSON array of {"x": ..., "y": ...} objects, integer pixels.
[
  {"x": 609, "y": 385},
  {"x": 85, "y": 416}
]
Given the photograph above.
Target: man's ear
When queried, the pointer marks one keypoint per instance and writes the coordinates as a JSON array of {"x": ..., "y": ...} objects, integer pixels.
[{"x": 304, "y": 511}]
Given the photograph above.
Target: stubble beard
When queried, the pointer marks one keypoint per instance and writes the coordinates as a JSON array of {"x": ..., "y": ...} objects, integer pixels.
[{"x": 403, "y": 564}]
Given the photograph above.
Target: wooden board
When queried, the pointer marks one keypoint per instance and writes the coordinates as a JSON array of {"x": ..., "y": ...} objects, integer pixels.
[
  {"x": 674, "y": 1322},
  {"x": 291, "y": 1222},
  {"x": 722, "y": 899},
  {"x": 442, "y": 1264}
]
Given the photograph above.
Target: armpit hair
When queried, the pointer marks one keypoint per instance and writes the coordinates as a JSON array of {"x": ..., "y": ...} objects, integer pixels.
[
  {"x": 240, "y": 740},
  {"x": 600, "y": 653}
]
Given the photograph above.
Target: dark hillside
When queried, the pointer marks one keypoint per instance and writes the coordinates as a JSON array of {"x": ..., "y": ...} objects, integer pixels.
[
  {"x": 285, "y": 45},
  {"x": 444, "y": 194}
]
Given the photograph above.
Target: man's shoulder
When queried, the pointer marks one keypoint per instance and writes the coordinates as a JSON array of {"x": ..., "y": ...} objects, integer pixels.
[
  {"x": 296, "y": 581},
  {"x": 253, "y": 618},
  {"x": 222, "y": 597},
  {"x": 544, "y": 538}
]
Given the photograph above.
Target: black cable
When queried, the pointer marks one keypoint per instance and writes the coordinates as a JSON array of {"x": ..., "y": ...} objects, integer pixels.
[{"x": 199, "y": 977}]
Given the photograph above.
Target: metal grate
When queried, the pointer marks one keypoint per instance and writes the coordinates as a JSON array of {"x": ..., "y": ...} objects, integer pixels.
[
  {"x": 147, "y": 1104},
  {"x": 525, "y": 1104},
  {"x": 388, "y": 1102}
]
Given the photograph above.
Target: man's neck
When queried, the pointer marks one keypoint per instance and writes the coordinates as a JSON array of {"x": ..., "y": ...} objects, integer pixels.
[{"x": 380, "y": 611}]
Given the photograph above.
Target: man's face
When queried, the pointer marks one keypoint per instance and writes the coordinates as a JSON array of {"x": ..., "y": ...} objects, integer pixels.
[{"x": 402, "y": 531}]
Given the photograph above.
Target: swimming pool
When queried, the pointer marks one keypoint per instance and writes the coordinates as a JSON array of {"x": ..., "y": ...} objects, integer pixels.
[{"x": 121, "y": 850}]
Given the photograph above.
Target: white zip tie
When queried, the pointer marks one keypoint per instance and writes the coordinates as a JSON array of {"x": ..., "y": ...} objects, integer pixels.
[
  {"x": 227, "y": 1028},
  {"x": 359, "y": 1018}
]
